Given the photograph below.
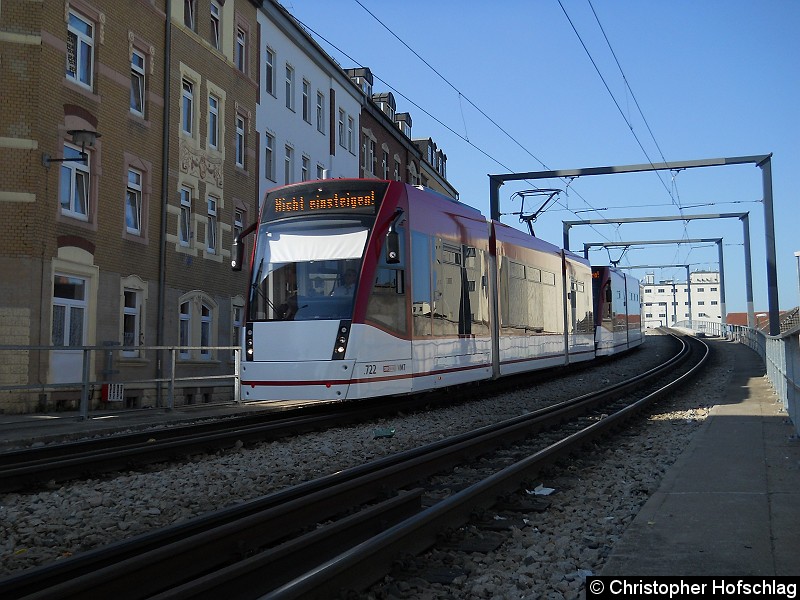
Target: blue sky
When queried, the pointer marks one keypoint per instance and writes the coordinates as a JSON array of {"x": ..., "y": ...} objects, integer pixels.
[{"x": 713, "y": 79}]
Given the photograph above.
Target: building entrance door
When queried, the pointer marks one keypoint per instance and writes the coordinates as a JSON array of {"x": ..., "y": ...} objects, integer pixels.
[{"x": 69, "y": 328}]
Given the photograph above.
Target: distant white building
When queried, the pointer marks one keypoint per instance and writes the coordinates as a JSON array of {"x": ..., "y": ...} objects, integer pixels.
[{"x": 665, "y": 303}]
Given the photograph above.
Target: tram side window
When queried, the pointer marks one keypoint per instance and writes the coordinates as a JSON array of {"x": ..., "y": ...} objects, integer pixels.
[
  {"x": 476, "y": 267},
  {"x": 448, "y": 305},
  {"x": 421, "y": 284},
  {"x": 582, "y": 305},
  {"x": 527, "y": 297},
  {"x": 387, "y": 301}
]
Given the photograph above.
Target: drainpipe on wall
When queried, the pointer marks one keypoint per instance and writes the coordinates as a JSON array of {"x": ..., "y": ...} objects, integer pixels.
[{"x": 162, "y": 252}]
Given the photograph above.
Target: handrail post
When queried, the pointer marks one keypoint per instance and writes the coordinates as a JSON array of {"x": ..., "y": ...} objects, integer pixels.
[
  {"x": 237, "y": 379},
  {"x": 171, "y": 388},
  {"x": 84, "y": 408}
]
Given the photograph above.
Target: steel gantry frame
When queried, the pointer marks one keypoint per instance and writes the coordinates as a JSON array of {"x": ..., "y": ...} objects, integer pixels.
[
  {"x": 744, "y": 217},
  {"x": 762, "y": 161}
]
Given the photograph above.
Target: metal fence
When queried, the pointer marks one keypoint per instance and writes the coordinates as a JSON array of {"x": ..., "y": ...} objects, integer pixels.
[
  {"x": 112, "y": 377},
  {"x": 780, "y": 353}
]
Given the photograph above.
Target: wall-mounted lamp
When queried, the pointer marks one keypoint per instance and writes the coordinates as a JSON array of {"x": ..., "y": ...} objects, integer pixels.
[{"x": 80, "y": 137}]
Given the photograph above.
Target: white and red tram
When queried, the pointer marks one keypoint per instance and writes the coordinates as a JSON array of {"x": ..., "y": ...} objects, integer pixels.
[
  {"x": 617, "y": 310},
  {"x": 363, "y": 288}
]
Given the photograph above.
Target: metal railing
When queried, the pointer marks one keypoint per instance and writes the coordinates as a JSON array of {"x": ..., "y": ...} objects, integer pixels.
[
  {"x": 780, "y": 353},
  {"x": 111, "y": 370}
]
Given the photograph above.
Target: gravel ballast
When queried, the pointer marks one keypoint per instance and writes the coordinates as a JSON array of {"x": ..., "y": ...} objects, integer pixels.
[{"x": 597, "y": 494}]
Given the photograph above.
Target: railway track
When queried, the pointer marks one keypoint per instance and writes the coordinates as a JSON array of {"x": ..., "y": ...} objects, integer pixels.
[
  {"x": 309, "y": 541},
  {"x": 30, "y": 468}
]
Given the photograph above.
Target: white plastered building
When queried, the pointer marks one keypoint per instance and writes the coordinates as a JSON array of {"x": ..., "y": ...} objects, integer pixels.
[
  {"x": 308, "y": 109},
  {"x": 666, "y": 302}
]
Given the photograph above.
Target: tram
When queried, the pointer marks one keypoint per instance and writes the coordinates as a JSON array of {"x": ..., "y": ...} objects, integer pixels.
[{"x": 361, "y": 288}]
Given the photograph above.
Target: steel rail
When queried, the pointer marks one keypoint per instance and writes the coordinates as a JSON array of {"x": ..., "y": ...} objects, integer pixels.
[
  {"x": 197, "y": 543},
  {"x": 27, "y": 468},
  {"x": 366, "y": 562}
]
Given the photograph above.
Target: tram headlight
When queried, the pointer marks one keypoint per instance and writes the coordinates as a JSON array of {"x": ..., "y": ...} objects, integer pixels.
[
  {"x": 248, "y": 343},
  {"x": 340, "y": 341}
]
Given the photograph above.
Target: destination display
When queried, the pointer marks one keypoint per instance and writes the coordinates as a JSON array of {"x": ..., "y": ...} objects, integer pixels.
[{"x": 326, "y": 197}]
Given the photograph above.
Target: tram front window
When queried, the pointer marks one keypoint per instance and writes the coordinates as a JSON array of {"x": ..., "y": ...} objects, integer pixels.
[
  {"x": 305, "y": 291},
  {"x": 302, "y": 274}
]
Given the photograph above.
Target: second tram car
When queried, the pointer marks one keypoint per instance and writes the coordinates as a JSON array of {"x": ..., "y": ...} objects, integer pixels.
[
  {"x": 363, "y": 288},
  {"x": 617, "y": 310}
]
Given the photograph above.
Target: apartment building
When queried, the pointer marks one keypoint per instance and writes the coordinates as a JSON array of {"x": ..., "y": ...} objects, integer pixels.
[
  {"x": 308, "y": 110},
  {"x": 100, "y": 247},
  {"x": 212, "y": 184},
  {"x": 434, "y": 167},
  {"x": 666, "y": 302}
]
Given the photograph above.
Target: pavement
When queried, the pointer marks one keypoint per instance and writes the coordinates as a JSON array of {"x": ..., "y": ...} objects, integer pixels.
[{"x": 730, "y": 505}]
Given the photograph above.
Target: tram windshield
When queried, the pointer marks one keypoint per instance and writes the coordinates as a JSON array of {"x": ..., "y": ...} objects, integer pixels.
[{"x": 303, "y": 274}]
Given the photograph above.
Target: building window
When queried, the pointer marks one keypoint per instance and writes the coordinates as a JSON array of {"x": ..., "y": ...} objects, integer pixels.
[
  {"x": 74, "y": 192},
  {"x": 240, "y": 126},
  {"x": 213, "y": 121},
  {"x": 131, "y": 322},
  {"x": 69, "y": 310},
  {"x": 304, "y": 168},
  {"x": 211, "y": 226},
  {"x": 320, "y": 171},
  {"x": 197, "y": 314},
  {"x": 385, "y": 165},
  {"x": 289, "y": 87},
  {"x": 184, "y": 224},
  {"x": 700, "y": 303},
  {"x": 133, "y": 202},
  {"x": 269, "y": 158},
  {"x": 80, "y": 49},
  {"x": 364, "y": 146},
  {"x": 701, "y": 289},
  {"x": 241, "y": 50},
  {"x": 215, "y": 40},
  {"x": 189, "y": 14},
  {"x": 306, "y": 101},
  {"x": 206, "y": 324},
  {"x": 341, "y": 129},
  {"x": 238, "y": 223},
  {"x": 351, "y": 141},
  {"x": 270, "y": 61},
  {"x": 396, "y": 171},
  {"x": 714, "y": 303},
  {"x": 137, "y": 83},
  {"x": 371, "y": 157},
  {"x": 320, "y": 112},
  {"x": 288, "y": 164},
  {"x": 184, "y": 329},
  {"x": 187, "y": 107}
]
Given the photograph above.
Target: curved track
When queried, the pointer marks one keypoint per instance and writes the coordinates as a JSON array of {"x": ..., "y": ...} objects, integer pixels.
[
  {"x": 29, "y": 468},
  {"x": 276, "y": 545}
]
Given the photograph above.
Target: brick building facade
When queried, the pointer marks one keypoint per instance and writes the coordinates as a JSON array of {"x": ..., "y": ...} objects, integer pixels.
[{"x": 87, "y": 257}]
